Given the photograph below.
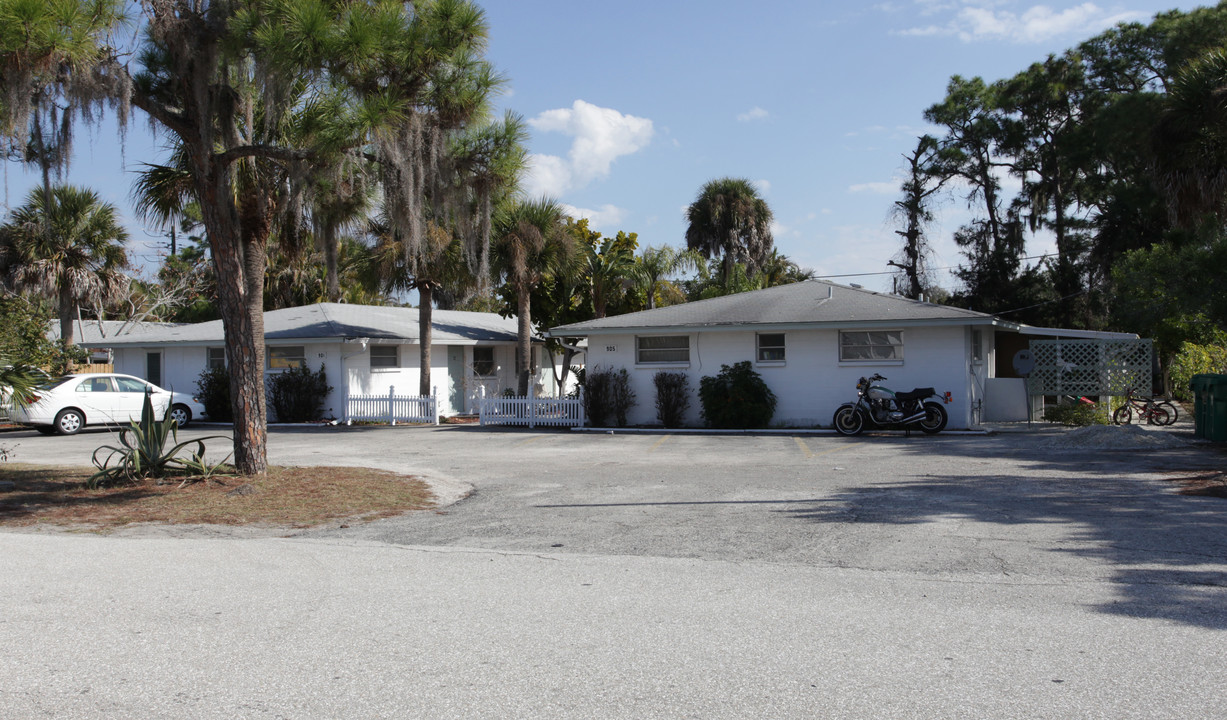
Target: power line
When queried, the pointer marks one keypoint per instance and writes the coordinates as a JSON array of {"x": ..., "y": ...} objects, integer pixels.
[
  {"x": 1046, "y": 302},
  {"x": 893, "y": 272}
]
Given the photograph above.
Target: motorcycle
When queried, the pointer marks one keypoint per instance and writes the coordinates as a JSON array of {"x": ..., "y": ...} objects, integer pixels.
[{"x": 878, "y": 407}]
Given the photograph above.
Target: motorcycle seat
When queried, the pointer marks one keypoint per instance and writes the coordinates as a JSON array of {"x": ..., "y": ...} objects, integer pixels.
[{"x": 917, "y": 394}]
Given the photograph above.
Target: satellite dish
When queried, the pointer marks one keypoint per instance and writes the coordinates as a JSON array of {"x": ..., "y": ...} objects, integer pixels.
[{"x": 1024, "y": 363}]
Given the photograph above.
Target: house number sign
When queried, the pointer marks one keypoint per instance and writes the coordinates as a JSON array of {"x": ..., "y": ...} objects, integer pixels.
[{"x": 611, "y": 348}]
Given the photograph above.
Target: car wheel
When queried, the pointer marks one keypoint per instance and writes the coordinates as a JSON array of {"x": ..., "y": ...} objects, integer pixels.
[
  {"x": 181, "y": 414},
  {"x": 69, "y": 422}
]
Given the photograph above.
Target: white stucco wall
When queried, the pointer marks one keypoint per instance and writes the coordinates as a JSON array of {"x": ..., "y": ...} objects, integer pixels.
[
  {"x": 181, "y": 366},
  {"x": 812, "y": 382},
  {"x": 349, "y": 372}
]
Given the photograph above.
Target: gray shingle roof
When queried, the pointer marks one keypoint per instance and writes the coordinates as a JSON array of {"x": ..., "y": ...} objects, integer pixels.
[
  {"x": 813, "y": 302},
  {"x": 337, "y": 321},
  {"x": 93, "y": 333}
]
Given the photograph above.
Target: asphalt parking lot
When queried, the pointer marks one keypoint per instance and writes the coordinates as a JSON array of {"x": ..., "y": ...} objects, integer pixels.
[{"x": 664, "y": 575}]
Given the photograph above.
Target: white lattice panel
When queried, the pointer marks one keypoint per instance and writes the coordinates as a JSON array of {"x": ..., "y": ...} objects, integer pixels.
[{"x": 1090, "y": 367}]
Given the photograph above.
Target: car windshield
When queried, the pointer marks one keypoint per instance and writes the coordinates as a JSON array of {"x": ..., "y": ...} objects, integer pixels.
[{"x": 55, "y": 382}]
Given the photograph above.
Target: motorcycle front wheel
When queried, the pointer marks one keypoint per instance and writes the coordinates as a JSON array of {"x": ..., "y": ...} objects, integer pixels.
[
  {"x": 935, "y": 418},
  {"x": 848, "y": 421}
]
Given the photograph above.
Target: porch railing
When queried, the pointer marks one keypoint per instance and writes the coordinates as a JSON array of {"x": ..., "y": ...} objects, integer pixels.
[{"x": 393, "y": 408}]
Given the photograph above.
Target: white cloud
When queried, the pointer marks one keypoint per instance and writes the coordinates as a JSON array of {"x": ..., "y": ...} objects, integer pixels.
[
  {"x": 763, "y": 186},
  {"x": 601, "y": 135},
  {"x": 756, "y": 113},
  {"x": 608, "y": 219},
  {"x": 981, "y": 21},
  {"x": 876, "y": 188}
]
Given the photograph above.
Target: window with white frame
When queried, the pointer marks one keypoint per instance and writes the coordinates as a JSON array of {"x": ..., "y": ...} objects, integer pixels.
[
  {"x": 483, "y": 362},
  {"x": 283, "y": 357},
  {"x": 216, "y": 359},
  {"x": 870, "y": 346},
  {"x": 384, "y": 356},
  {"x": 662, "y": 349},
  {"x": 977, "y": 346},
  {"x": 770, "y": 347}
]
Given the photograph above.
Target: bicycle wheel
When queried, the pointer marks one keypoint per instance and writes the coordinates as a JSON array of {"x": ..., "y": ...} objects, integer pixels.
[
  {"x": 1172, "y": 412},
  {"x": 1123, "y": 415},
  {"x": 1157, "y": 416}
]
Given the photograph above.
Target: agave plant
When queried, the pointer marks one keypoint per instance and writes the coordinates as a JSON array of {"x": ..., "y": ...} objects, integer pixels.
[{"x": 151, "y": 449}]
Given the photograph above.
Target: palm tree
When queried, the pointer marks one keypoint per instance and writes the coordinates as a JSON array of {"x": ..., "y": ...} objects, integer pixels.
[
  {"x": 1190, "y": 142},
  {"x": 728, "y": 219},
  {"x": 442, "y": 229},
  {"x": 657, "y": 264},
  {"x": 529, "y": 237},
  {"x": 17, "y": 382},
  {"x": 438, "y": 264},
  {"x": 778, "y": 269},
  {"x": 71, "y": 250},
  {"x": 607, "y": 269}
]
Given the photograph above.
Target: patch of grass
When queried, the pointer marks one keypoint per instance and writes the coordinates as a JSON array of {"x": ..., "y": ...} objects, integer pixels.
[{"x": 285, "y": 497}]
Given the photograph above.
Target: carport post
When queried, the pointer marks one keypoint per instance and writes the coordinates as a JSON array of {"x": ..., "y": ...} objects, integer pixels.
[
  {"x": 434, "y": 404},
  {"x": 391, "y": 404}
]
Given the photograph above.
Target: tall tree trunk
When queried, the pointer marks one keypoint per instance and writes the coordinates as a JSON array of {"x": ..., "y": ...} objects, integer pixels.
[
  {"x": 240, "y": 287},
  {"x": 425, "y": 336},
  {"x": 524, "y": 337},
  {"x": 66, "y": 312},
  {"x": 330, "y": 262},
  {"x": 66, "y": 308}
]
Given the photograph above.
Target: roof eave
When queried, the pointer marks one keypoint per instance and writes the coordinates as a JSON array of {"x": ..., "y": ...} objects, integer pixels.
[{"x": 770, "y": 327}]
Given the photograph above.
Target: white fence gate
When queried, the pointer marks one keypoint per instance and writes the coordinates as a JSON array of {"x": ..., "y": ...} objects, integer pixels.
[
  {"x": 531, "y": 411},
  {"x": 393, "y": 408}
]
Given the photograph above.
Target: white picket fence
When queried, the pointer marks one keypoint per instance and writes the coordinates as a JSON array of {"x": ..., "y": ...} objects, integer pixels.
[
  {"x": 531, "y": 411},
  {"x": 393, "y": 408}
]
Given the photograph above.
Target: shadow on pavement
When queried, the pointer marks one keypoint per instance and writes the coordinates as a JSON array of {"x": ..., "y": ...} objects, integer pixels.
[{"x": 1167, "y": 552}]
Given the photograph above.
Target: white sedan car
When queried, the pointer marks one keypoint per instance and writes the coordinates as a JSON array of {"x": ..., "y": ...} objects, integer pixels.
[{"x": 67, "y": 404}]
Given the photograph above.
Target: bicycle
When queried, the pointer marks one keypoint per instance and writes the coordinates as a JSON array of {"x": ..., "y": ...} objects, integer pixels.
[{"x": 1154, "y": 413}]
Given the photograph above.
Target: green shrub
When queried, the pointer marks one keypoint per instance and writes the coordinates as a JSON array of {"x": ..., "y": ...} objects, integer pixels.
[
  {"x": 672, "y": 397},
  {"x": 736, "y": 398},
  {"x": 298, "y": 394},
  {"x": 1193, "y": 360},
  {"x": 606, "y": 393},
  {"x": 213, "y": 391},
  {"x": 1080, "y": 414}
]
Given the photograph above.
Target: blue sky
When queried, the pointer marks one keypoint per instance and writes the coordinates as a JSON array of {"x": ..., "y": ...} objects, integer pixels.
[{"x": 634, "y": 105}]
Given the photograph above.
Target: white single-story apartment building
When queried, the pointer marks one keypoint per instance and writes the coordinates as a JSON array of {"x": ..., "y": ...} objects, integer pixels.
[
  {"x": 811, "y": 341},
  {"x": 365, "y": 350}
]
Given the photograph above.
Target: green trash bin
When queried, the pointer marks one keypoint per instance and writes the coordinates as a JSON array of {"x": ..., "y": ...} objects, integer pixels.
[
  {"x": 1210, "y": 407},
  {"x": 1201, "y": 404},
  {"x": 1216, "y": 429}
]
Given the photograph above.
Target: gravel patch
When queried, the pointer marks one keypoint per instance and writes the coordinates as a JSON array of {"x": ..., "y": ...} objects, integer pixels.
[{"x": 1113, "y": 437}]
